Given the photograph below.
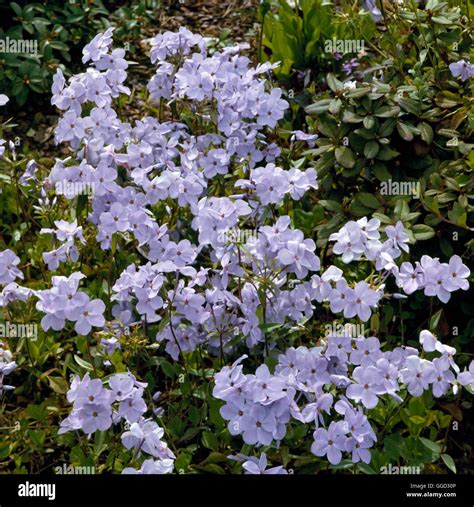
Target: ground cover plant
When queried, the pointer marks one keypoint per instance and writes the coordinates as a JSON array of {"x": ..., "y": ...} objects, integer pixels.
[
  {"x": 39, "y": 37},
  {"x": 218, "y": 271}
]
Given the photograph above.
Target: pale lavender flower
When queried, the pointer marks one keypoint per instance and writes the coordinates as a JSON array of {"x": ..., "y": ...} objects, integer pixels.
[
  {"x": 466, "y": 378},
  {"x": 8, "y": 267},
  {"x": 442, "y": 379},
  {"x": 95, "y": 417},
  {"x": 360, "y": 301},
  {"x": 152, "y": 467},
  {"x": 258, "y": 466},
  {"x": 397, "y": 236},
  {"x": 417, "y": 374},
  {"x": 367, "y": 351},
  {"x": 462, "y": 69},
  {"x": 258, "y": 425},
  {"x": 330, "y": 442},
  {"x": 359, "y": 449},
  {"x": 456, "y": 275},
  {"x": 87, "y": 316},
  {"x": 350, "y": 65},
  {"x": 366, "y": 386}
]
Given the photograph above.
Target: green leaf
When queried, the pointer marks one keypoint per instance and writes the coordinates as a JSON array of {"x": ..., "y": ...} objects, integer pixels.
[
  {"x": 334, "y": 83},
  {"x": 335, "y": 106},
  {"x": 369, "y": 121},
  {"x": 182, "y": 462},
  {"x": 213, "y": 468},
  {"x": 319, "y": 107},
  {"x": 423, "y": 54},
  {"x": 345, "y": 464},
  {"x": 330, "y": 205},
  {"x": 423, "y": 232},
  {"x": 189, "y": 434},
  {"x": 441, "y": 20},
  {"x": 458, "y": 214},
  {"x": 381, "y": 172},
  {"x": 446, "y": 100},
  {"x": 37, "y": 412},
  {"x": 387, "y": 154},
  {"x": 210, "y": 441},
  {"x": 215, "y": 457},
  {"x": 435, "y": 320},
  {"x": 345, "y": 156},
  {"x": 432, "y": 446},
  {"x": 167, "y": 367},
  {"x": 307, "y": 220},
  {"x": 387, "y": 111},
  {"x": 269, "y": 328},
  {"x": 416, "y": 419},
  {"x": 426, "y": 132},
  {"x": 4, "y": 451},
  {"x": 358, "y": 92},
  {"x": 368, "y": 200},
  {"x": 416, "y": 406},
  {"x": 37, "y": 436},
  {"x": 82, "y": 363},
  {"x": 384, "y": 219},
  {"x": 351, "y": 117},
  {"x": 371, "y": 149},
  {"x": 394, "y": 446},
  {"x": 410, "y": 105},
  {"x": 194, "y": 415},
  {"x": 81, "y": 204},
  {"x": 387, "y": 127},
  {"x": 404, "y": 131},
  {"x": 58, "y": 384},
  {"x": 366, "y": 469},
  {"x": 327, "y": 126},
  {"x": 359, "y": 210},
  {"x": 16, "y": 8},
  {"x": 449, "y": 462}
]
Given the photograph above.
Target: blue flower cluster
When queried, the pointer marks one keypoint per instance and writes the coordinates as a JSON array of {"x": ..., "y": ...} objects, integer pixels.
[
  {"x": 97, "y": 408},
  {"x": 247, "y": 270},
  {"x": 332, "y": 387}
]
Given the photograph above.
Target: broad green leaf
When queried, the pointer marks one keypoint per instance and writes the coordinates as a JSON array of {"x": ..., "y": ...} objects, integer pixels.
[
  {"x": 82, "y": 363},
  {"x": 387, "y": 111},
  {"x": 368, "y": 200},
  {"x": 345, "y": 156},
  {"x": 432, "y": 446},
  {"x": 371, "y": 149},
  {"x": 426, "y": 132},
  {"x": 423, "y": 232},
  {"x": 449, "y": 462},
  {"x": 458, "y": 214},
  {"x": 435, "y": 320}
]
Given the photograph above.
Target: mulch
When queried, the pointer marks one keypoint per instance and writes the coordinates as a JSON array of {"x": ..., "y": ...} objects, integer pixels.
[{"x": 210, "y": 17}]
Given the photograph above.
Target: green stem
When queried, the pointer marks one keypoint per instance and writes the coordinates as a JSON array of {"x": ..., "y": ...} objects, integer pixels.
[{"x": 260, "y": 38}]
